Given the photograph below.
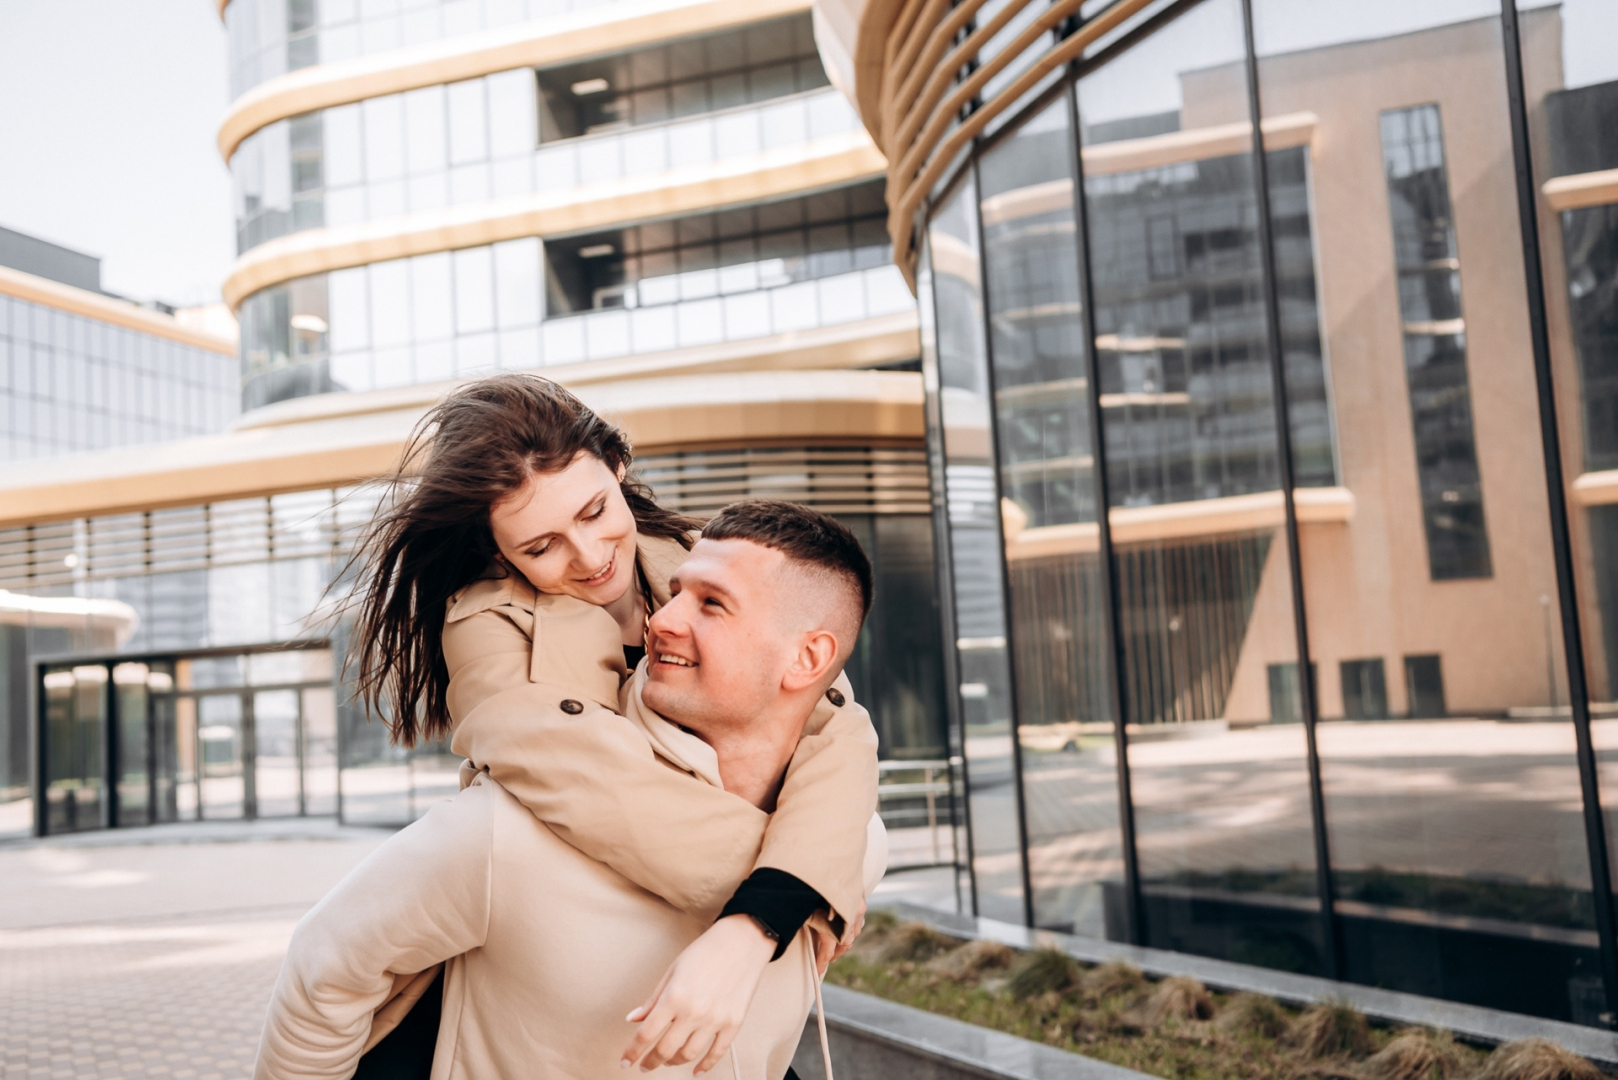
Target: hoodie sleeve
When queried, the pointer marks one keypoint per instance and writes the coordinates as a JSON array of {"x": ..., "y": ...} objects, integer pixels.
[{"x": 418, "y": 900}]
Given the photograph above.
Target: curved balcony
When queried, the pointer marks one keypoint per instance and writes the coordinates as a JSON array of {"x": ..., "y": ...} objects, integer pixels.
[
  {"x": 273, "y": 37},
  {"x": 469, "y": 142}
]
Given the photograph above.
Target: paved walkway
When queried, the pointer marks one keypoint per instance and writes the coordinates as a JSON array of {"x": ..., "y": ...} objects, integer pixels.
[{"x": 152, "y": 952}]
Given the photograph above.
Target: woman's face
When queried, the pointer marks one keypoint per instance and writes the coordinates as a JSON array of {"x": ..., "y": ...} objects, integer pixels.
[{"x": 569, "y": 532}]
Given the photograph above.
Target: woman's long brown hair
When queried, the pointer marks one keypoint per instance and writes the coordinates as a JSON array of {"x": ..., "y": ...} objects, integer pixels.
[{"x": 430, "y": 537}]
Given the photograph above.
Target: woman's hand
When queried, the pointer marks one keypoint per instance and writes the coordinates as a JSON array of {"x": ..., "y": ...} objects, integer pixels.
[{"x": 699, "y": 1005}]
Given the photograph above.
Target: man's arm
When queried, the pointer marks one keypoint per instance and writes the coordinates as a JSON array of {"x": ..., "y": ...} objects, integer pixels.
[{"x": 419, "y": 899}]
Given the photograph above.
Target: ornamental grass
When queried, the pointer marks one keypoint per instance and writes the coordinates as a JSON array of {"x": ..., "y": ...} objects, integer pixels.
[{"x": 1174, "y": 1027}]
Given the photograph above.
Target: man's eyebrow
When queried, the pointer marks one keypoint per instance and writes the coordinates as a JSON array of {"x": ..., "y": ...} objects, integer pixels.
[
  {"x": 591, "y": 501},
  {"x": 708, "y": 585}
]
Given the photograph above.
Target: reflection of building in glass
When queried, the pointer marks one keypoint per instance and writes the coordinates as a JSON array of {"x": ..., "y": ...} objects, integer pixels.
[
  {"x": 1293, "y": 446},
  {"x": 665, "y": 208}
]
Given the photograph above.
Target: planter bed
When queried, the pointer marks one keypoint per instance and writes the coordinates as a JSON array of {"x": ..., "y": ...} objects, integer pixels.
[{"x": 1170, "y": 1027}]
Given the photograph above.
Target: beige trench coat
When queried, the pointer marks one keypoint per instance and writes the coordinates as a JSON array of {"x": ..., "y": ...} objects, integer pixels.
[
  {"x": 516, "y": 656},
  {"x": 547, "y": 949}
]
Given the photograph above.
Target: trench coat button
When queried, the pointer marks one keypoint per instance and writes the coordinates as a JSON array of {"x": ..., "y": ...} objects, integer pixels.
[
  {"x": 835, "y": 696},
  {"x": 571, "y": 707}
]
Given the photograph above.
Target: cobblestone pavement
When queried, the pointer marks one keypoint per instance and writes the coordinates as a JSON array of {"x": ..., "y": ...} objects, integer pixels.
[{"x": 134, "y": 959}]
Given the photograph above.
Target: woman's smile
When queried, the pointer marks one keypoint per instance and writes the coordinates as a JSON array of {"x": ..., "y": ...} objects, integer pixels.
[{"x": 602, "y": 576}]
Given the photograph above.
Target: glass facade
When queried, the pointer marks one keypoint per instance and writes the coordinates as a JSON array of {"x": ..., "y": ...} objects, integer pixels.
[
  {"x": 684, "y": 78},
  {"x": 1197, "y": 405},
  {"x": 472, "y": 141},
  {"x": 181, "y": 703},
  {"x": 272, "y": 37},
  {"x": 732, "y": 251},
  {"x": 69, "y": 383},
  {"x": 693, "y": 101},
  {"x": 440, "y": 316}
]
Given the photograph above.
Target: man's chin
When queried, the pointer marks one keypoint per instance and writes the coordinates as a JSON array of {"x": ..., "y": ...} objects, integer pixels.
[{"x": 663, "y": 700}]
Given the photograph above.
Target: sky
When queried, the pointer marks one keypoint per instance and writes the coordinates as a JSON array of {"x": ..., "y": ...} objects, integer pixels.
[{"x": 108, "y": 110}]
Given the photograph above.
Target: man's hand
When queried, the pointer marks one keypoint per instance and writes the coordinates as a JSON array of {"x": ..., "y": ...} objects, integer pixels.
[{"x": 702, "y": 999}]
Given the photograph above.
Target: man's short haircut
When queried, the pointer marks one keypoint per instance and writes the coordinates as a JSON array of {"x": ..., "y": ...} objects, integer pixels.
[{"x": 801, "y": 534}]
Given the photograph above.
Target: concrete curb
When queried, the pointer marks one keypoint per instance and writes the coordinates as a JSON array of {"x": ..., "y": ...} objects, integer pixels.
[
  {"x": 1472, "y": 1023},
  {"x": 875, "y": 1039}
]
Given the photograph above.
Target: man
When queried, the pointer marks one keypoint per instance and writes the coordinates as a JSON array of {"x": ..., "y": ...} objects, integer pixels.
[{"x": 549, "y": 950}]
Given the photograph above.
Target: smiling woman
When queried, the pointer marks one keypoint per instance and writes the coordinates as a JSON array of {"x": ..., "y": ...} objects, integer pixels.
[
  {"x": 572, "y": 532},
  {"x": 511, "y": 474}
]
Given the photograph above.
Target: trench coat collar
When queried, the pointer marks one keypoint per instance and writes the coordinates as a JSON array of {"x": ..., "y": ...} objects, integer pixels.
[{"x": 575, "y": 643}]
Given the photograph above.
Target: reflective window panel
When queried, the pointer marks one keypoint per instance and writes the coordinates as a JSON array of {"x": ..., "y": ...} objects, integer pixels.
[
  {"x": 1057, "y": 606},
  {"x": 683, "y": 78},
  {"x": 1570, "y": 76},
  {"x": 956, "y": 371},
  {"x": 1217, "y": 756},
  {"x": 733, "y": 251},
  {"x": 1452, "y": 796},
  {"x": 70, "y": 384},
  {"x": 272, "y": 37}
]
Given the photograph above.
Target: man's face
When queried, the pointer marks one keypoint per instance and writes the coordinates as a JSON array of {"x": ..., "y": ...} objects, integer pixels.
[{"x": 718, "y": 650}]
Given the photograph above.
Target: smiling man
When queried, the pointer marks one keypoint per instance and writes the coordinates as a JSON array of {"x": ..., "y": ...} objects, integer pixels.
[{"x": 556, "y": 962}]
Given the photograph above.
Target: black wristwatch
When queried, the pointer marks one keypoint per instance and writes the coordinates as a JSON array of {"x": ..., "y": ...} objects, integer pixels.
[{"x": 769, "y": 931}]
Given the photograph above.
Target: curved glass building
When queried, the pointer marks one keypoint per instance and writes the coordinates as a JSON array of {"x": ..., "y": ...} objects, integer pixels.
[{"x": 1266, "y": 348}]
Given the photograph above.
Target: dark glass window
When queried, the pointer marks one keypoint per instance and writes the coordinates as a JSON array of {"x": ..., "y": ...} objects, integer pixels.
[
  {"x": 1435, "y": 343},
  {"x": 1365, "y": 690},
  {"x": 1181, "y": 333},
  {"x": 732, "y": 251},
  {"x": 1055, "y": 601},
  {"x": 1424, "y": 686},
  {"x": 684, "y": 78},
  {"x": 1590, "y": 247}
]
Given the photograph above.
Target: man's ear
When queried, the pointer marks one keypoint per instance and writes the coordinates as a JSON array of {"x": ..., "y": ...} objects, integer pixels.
[{"x": 813, "y": 662}]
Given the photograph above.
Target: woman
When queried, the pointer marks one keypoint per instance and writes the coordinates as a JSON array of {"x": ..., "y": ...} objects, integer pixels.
[{"x": 516, "y": 526}]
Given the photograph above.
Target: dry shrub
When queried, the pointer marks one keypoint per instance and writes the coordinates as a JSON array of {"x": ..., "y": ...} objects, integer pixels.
[
  {"x": 1043, "y": 971},
  {"x": 1536, "y": 1059},
  {"x": 1110, "y": 980},
  {"x": 1253, "y": 1014},
  {"x": 879, "y": 923},
  {"x": 1330, "y": 1029},
  {"x": 1417, "y": 1054},
  {"x": 1326, "y": 1070},
  {"x": 1175, "y": 998},
  {"x": 973, "y": 961},
  {"x": 915, "y": 942}
]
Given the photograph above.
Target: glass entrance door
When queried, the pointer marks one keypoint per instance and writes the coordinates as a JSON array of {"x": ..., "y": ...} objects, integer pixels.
[
  {"x": 212, "y": 736},
  {"x": 222, "y": 781},
  {"x": 73, "y": 746}
]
